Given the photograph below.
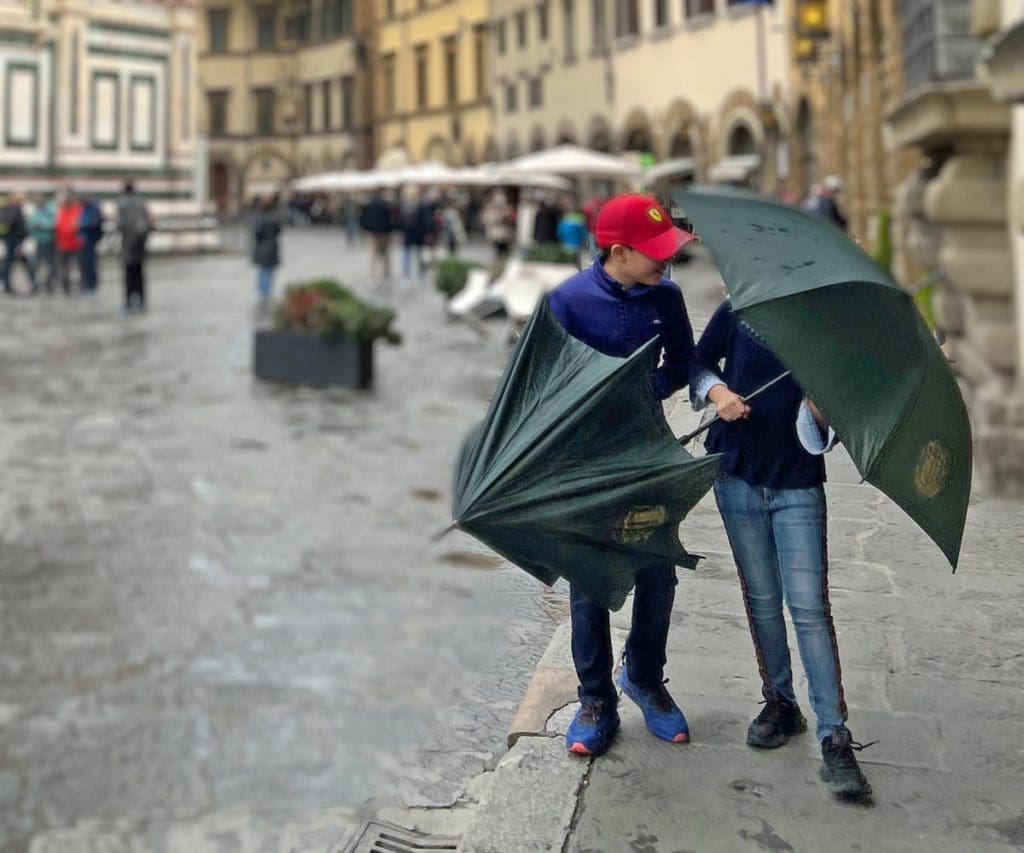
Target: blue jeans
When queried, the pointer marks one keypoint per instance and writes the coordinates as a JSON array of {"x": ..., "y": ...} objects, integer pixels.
[
  {"x": 778, "y": 540},
  {"x": 264, "y": 282},
  {"x": 645, "y": 647},
  {"x": 87, "y": 266}
]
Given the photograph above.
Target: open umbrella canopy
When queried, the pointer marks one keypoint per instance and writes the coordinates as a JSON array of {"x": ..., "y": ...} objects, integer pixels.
[
  {"x": 855, "y": 343},
  {"x": 572, "y": 161},
  {"x": 574, "y": 471}
]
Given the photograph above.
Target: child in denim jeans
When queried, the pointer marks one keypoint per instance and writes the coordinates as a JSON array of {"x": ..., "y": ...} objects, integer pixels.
[{"x": 772, "y": 503}]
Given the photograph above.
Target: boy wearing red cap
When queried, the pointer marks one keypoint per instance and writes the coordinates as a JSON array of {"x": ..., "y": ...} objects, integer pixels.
[{"x": 616, "y": 306}]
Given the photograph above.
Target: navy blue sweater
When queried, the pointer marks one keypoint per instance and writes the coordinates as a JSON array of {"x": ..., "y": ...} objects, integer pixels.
[
  {"x": 762, "y": 450},
  {"x": 599, "y": 311}
]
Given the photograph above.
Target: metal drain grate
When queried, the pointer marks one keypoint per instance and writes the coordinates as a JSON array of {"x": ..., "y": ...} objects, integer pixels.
[{"x": 379, "y": 837}]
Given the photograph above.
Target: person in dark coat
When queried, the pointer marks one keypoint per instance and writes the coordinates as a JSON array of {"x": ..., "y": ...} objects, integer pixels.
[
  {"x": 90, "y": 228},
  {"x": 13, "y": 233},
  {"x": 377, "y": 221},
  {"x": 266, "y": 251},
  {"x": 135, "y": 225}
]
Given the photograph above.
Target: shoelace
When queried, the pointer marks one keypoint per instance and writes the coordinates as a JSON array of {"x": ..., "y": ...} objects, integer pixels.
[
  {"x": 661, "y": 697},
  {"x": 592, "y": 711}
]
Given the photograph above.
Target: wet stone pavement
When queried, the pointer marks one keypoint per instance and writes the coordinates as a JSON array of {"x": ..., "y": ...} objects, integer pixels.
[{"x": 221, "y": 614}]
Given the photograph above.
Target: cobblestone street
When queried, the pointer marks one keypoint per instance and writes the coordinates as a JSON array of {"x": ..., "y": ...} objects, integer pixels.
[{"x": 220, "y": 610}]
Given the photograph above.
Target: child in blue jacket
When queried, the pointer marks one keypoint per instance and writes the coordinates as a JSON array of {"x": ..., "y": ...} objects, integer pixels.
[{"x": 616, "y": 306}]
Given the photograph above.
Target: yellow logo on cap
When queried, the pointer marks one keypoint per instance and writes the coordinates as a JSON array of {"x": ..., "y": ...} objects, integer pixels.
[{"x": 655, "y": 214}]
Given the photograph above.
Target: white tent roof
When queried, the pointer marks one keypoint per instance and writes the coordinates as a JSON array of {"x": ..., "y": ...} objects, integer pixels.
[
  {"x": 671, "y": 168},
  {"x": 572, "y": 161},
  {"x": 736, "y": 167}
]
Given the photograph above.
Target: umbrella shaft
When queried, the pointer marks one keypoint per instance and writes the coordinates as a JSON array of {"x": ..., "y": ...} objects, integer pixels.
[{"x": 686, "y": 439}]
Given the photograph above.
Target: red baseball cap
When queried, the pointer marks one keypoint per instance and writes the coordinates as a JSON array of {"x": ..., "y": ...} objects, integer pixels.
[{"x": 639, "y": 222}]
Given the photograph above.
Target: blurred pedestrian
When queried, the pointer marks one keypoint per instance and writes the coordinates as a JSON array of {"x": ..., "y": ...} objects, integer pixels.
[
  {"x": 67, "y": 238},
  {"x": 13, "y": 232},
  {"x": 377, "y": 220},
  {"x": 822, "y": 201},
  {"x": 90, "y": 229},
  {"x": 452, "y": 226},
  {"x": 41, "y": 226},
  {"x": 266, "y": 249},
  {"x": 135, "y": 225},
  {"x": 499, "y": 221},
  {"x": 572, "y": 233},
  {"x": 770, "y": 496}
]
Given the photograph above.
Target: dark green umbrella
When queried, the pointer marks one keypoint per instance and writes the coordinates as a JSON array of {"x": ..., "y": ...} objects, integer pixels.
[
  {"x": 857, "y": 345},
  {"x": 574, "y": 471}
]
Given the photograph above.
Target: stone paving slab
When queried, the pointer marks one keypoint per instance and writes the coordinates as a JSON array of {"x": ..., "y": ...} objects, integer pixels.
[{"x": 932, "y": 667}]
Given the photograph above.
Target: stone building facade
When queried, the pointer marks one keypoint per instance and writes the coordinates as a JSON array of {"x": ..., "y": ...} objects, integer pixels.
[
  {"x": 959, "y": 216},
  {"x": 703, "y": 83},
  {"x": 93, "y": 92},
  {"x": 432, "y": 67},
  {"x": 285, "y": 92}
]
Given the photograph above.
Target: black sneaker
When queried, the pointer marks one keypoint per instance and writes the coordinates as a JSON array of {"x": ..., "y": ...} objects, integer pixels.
[
  {"x": 840, "y": 770},
  {"x": 778, "y": 721}
]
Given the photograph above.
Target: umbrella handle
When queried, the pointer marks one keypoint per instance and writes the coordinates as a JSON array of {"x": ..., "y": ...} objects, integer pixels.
[{"x": 686, "y": 439}]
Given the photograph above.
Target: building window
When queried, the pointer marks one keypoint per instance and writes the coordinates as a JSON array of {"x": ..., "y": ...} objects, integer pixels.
[
  {"x": 217, "y": 105},
  {"x": 217, "y": 20},
  {"x": 542, "y": 20},
  {"x": 627, "y": 18},
  {"x": 341, "y": 17},
  {"x": 348, "y": 105},
  {"x": 451, "y": 70},
  {"x": 499, "y": 34},
  {"x": 599, "y": 17},
  {"x": 387, "y": 84},
  {"x": 480, "y": 37},
  {"x": 265, "y": 35},
  {"x": 660, "y": 13},
  {"x": 569, "y": 23},
  {"x": 537, "y": 92},
  {"x": 511, "y": 98},
  {"x": 521, "y": 29},
  {"x": 389, "y": 8},
  {"x": 264, "y": 108},
  {"x": 696, "y": 8},
  {"x": 325, "y": 98},
  {"x": 298, "y": 25},
  {"x": 420, "y": 61}
]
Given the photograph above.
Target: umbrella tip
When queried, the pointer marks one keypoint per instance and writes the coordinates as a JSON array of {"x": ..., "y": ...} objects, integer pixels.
[{"x": 437, "y": 537}]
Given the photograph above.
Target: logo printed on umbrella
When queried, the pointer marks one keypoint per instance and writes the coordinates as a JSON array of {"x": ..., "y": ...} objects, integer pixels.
[
  {"x": 932, "y": 469},
  {"x": 655, "y": 215},
  {"x": 639, "y": 523}
]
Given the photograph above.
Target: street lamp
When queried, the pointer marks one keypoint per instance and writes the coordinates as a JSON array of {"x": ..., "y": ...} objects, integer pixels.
[{"x": 811, "y": 28}]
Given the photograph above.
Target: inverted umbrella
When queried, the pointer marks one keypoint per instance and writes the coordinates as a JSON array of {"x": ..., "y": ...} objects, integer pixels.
[
  {"x": 574, "y": 471},
  {"x": 855, "y": 342}
]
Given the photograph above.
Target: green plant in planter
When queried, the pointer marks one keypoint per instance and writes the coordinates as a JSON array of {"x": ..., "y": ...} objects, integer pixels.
[
  {"x": 550, "y": 253},
  {"x": 326, "y": 308},
  {"x": 450, "y": 275}
]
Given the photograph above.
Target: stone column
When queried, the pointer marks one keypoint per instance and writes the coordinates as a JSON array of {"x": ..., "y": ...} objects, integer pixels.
[{"x": 953, "y": 225}]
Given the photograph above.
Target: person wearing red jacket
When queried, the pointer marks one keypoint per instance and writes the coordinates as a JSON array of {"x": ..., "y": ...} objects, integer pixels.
[{"x": 67, "y": 239}]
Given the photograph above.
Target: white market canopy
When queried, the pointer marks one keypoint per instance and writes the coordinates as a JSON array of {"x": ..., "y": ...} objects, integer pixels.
[
  {"x": 678, "y": 167},
  {"x": 572, "y": 161},
  {"x": 430, "y": 174},
  {"x": 736, "y": 168}
]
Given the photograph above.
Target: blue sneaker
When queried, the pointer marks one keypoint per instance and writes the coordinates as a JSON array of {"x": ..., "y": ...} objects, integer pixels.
[
  {"x": 593, "y": 728},
  {"x": 661, "y": 714}
]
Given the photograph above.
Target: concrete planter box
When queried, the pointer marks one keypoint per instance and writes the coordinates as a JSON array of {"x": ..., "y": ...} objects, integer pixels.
[{"x": 296, "y": 358}]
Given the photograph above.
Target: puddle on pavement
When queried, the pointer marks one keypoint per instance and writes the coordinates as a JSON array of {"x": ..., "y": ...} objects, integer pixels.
[{"x": 471, "y": 560}]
